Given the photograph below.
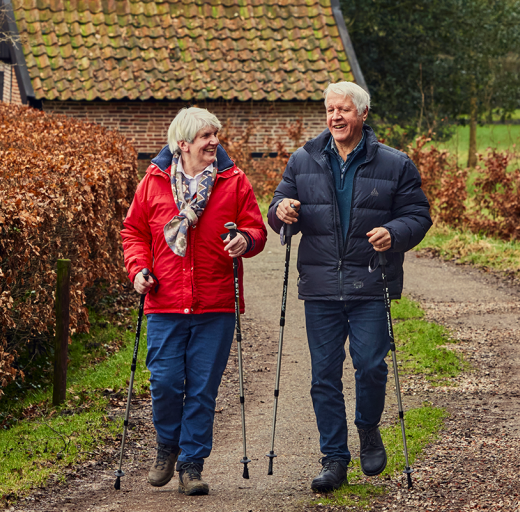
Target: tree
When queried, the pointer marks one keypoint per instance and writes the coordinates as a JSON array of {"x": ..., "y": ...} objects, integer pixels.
[{"x": 426, "y": 61}]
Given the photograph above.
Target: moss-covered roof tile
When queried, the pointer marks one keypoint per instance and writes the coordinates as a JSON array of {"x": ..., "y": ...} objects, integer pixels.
[{"x": 181, "y": 49}]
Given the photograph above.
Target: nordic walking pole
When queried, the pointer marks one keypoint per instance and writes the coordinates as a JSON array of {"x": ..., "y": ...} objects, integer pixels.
[
  {"x": 382, "y": 261},
  {"x": 288, "y": 231},
  {"x": 119, "y": 473},
  {"x": 232, "y": 227}
]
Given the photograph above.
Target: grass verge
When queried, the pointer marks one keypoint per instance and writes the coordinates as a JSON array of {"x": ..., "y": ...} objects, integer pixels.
[
  {"x": 42, "y": 440},
  {"x": 474, "y": 249}
]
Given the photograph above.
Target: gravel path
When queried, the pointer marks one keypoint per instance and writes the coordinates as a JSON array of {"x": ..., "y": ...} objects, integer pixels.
[{"x": 473, "y": 466}]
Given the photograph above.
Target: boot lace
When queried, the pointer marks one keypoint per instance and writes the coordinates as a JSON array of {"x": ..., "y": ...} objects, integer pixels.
[
  {"x": 329, "y": 465},
  {"x": 163, "y": 452},
  {"x": 193, "y": 470},
  {"x": 369, "y": 437}
]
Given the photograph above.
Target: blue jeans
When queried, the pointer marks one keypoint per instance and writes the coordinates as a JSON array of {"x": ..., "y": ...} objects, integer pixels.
[
  {"x": 328, "y": 325},
  {"x": 187, "y": 355}
]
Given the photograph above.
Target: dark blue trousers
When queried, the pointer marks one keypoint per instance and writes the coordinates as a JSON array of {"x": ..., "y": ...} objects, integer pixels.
[{"x": 329, "y": 323}]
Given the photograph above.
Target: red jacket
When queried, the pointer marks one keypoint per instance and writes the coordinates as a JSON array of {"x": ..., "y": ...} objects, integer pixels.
[{"x": 201, "y": 281}]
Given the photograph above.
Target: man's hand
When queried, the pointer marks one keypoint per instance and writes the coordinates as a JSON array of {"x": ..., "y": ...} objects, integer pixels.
[
  {"x": 237, "y": 246},
  {"x": 141, "y": 285},
  {"x": 380, "y": 239},
  {"x": 287, "y": 210}
]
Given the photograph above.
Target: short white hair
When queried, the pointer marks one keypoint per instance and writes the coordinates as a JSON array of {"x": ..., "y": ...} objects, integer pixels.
[
  {"x": 359, "y": 96},
  {"x": 187, "y": 123}
]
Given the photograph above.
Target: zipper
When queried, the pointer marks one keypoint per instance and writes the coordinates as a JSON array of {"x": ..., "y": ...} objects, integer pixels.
[
  {"x": 339, "y": 239},
  {"x": 345, "y": 243},
  {"x": 340, "y": 279}
]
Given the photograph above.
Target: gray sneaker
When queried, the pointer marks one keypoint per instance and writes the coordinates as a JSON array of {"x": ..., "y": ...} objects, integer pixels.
[
  {"x": 190, "y": 479},
  {"x": 163, "y": 468}
]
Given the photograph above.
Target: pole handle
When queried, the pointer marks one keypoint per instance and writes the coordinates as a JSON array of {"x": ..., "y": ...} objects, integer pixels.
[
  {"x": 382, "y": 258},
  {"x": 146, "y": 273},
  {"x": 232, "y": 228}
]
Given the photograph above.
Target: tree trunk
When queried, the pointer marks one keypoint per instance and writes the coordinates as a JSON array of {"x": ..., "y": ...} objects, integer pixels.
[{"x": 472, "y": 153}]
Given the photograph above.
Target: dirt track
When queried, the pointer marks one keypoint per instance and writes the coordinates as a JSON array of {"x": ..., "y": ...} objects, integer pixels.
[{"x": 474, "y": 464}]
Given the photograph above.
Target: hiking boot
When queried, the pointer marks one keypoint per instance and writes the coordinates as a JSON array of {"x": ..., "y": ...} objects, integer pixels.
[
  {"x": 332, "y": 476},
  {"x": 164, "y": 466},
  {"x": 372, "y": 452},
  {"x": 190, "y": 480}
]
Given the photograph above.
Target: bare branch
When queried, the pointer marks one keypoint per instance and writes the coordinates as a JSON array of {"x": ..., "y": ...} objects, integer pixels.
[{"x": 5, "y": 34}]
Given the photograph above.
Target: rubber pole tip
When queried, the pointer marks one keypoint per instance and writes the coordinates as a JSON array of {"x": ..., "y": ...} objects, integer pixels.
[
  {"x": 409, "y": 477},
  {"x": 270, "y": 470},
  {"x": 246, "y": 472},
  {"x": 117, "y": 484}
]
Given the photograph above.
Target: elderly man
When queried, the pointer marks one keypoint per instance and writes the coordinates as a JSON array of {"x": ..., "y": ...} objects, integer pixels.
[{"x": 349, "y": 195}]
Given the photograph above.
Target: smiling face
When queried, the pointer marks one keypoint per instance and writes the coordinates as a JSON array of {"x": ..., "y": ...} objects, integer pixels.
[
  {"x": 343, "y": 121},
  {"x": 197, "y": 155}
]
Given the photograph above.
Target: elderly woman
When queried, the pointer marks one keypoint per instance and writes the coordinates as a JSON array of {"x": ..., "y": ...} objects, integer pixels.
[{"x": 174, "y": 227}]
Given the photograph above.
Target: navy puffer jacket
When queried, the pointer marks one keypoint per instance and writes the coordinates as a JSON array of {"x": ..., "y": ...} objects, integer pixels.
[{"x": 386, "y": 192}]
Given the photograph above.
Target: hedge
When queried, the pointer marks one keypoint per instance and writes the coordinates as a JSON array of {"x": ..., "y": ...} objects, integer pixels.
[{"x": 65, "y": 187}]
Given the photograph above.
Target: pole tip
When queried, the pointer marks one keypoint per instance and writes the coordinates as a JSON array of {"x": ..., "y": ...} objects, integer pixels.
[
  {"x": 409, "y": 477},
  {"x": 246, "y": 472},
  {"x": 117, "y": 484}
]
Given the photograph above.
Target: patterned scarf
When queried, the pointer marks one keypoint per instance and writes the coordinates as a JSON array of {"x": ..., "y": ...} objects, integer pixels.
[{"x": 190, "y": 209}]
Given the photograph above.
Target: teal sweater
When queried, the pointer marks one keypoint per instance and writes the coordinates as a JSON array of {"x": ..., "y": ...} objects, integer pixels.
[{"x": 343, "y": 173}]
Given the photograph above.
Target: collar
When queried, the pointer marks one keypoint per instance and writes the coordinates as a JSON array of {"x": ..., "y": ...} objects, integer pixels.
[
  {"x": 164, "y": 159},
  {"x": 331, "y": 147},
  {"x": 199, "y": 175}
]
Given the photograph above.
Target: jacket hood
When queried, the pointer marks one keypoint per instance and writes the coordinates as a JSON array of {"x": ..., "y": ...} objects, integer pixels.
[
  {"x": 316, "y": 146},
  {"x": 164, "y": 159}
]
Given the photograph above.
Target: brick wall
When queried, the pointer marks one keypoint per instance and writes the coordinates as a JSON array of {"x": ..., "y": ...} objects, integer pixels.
[
  {"x": 146, "y": 123},
  {"x": 11, "y": 92}
]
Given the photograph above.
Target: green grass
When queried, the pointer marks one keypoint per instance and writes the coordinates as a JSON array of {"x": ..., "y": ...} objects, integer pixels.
[
  {"x": 499, "y": 136},
  {"x": 475, "y": 249},
  {"x": 421, "y": 350},
  {"x": 49, "y": 438},
  {"x": 405, "y": 308},
  {"x": 422, "y": 427},
  {"x": 264, "y": 203}
]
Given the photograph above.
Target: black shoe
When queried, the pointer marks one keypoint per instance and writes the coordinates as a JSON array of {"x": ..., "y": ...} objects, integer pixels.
[
  {"x": 332, "y": 476},
  {"x": 372, "y": 451},
  {"x": 190, "y": 479}
]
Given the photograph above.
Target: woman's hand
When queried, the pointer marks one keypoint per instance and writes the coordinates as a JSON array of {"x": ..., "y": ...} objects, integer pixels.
[
  {"x": 141, "y": 285},
  {"x": 237, "y": 246}
]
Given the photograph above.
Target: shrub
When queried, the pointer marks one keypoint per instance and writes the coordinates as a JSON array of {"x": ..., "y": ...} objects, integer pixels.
[
  {"x": 264, "y": 173},
  {"x": 497, "y": 192},
  {"x": 65, "y": 187}
]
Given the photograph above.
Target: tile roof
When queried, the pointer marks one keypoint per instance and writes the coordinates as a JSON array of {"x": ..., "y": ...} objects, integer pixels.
[{"x": 181, "y": 49}]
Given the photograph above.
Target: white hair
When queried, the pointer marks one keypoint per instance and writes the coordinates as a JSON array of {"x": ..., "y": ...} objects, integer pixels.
[
  {"x": 187, "y": 123},
  {"x": 359, "y": 96}
]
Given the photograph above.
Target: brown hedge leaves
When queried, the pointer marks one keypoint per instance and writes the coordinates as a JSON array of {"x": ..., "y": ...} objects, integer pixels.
[
  {"x": 65, "y": 187},
  {"x": 492, "y": 205}
]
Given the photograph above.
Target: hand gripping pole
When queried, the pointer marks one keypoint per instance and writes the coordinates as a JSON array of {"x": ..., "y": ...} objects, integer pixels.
[
  {"x": 119, "y": 473},
  {"x": 386, "y": 294},
  {"x": 232, "y": 227}
]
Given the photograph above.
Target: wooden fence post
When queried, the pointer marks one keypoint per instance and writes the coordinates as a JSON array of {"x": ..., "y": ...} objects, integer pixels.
[{"x": 61, "y": 347}]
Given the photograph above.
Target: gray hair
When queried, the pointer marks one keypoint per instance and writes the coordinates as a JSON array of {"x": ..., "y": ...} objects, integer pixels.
[
  {"x": 187, "y": 123},
  {"x": 359, "y": 96}
]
